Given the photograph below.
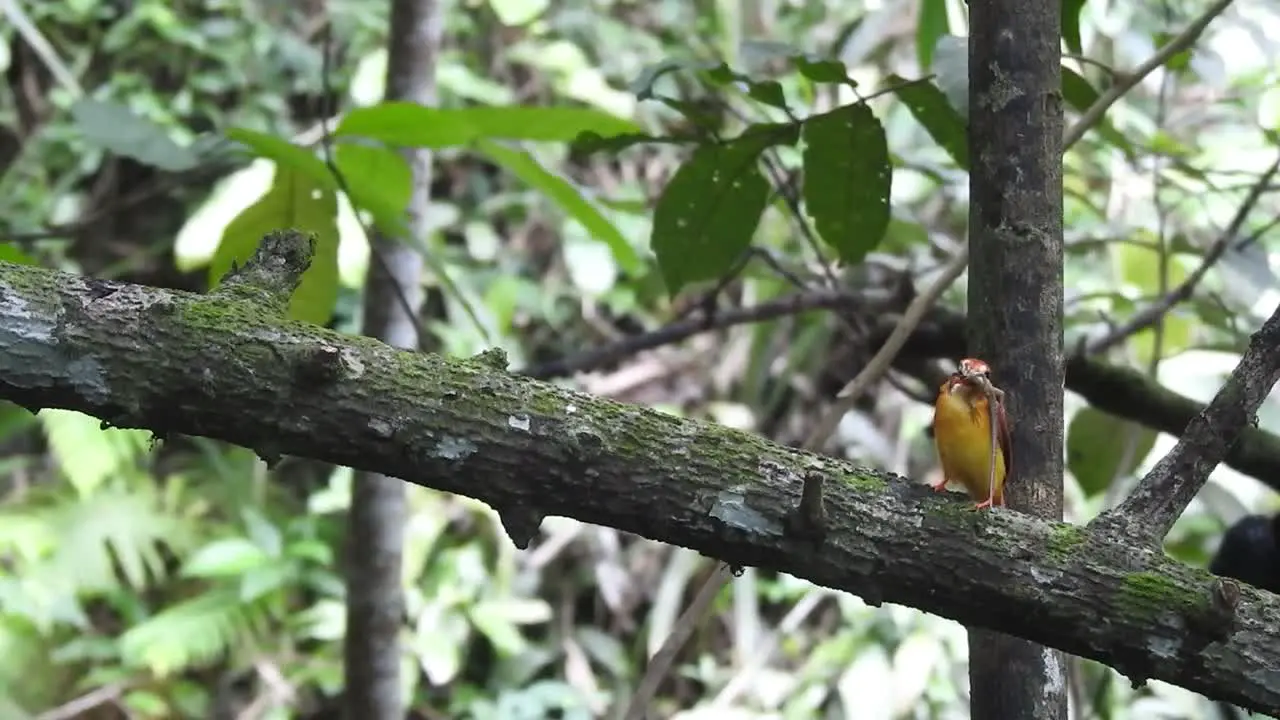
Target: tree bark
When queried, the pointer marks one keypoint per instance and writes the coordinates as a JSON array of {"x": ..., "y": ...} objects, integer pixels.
[
  {"x": 229, "y": 366},
  {"x": 393, "y": 297},
  {"x": 1015, "y": 302}
]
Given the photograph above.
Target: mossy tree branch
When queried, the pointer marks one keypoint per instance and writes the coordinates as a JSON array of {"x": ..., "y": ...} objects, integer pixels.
[{"x": 222, "y": 366}]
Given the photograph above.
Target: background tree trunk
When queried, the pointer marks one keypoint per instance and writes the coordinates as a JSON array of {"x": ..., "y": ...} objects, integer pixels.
[
  {"x": 393, "y": 289},
  {"x": 1015, "y": 302}
]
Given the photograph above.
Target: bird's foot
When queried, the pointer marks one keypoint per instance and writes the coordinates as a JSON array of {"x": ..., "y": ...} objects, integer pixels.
[
  {"x": 984, "y": 505},
  {"x": 940, "y": 486}
]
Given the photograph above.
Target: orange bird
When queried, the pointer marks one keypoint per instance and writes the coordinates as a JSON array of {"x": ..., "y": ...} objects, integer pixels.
[{"x": 962, "y": 432}]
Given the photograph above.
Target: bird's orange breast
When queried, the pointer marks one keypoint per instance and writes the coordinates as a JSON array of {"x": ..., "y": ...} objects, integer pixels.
[{"x": 962, "y": 433}]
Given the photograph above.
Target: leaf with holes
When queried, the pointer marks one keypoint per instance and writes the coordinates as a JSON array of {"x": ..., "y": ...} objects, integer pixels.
[
  {"x": 293, "y": 202},
  {"x": 709, "y": 210},
  {"x": 930, "y": 108},
  {"x": 847, "y": 179}
]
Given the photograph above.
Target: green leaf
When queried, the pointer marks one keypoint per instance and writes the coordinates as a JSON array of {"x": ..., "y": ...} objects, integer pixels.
[
  {"x": 1097, "y": 444},
  {"x": 929, "y": 106},
  {"x": 931, "y": 25},
  {"x": 1139, "y": 267},
  {"x": 224, "y": 558},
  {"x": 263, "y": 580},
  {"x": 193, "y": 632},
  {"x": 118, "y": 129},
  {"x": 823, "y": 70},
  {"x": 847, "y": 179},
  {"x": 569, "y": 198},
  {"x": 1071, "y": 24},
  {"x": 11, "y": 254},
  {"x": 378, "y": 181},
  {"x": 146, "y": 703},
  {"x": 293, "y": 201},
  {"x": 285, "y": 153},
  {"x": 709, "y": 210},
  {"x": 412, "y": 125},
  {"x": 768, "y": 92},
  {"x": 1080, "y": 96}
]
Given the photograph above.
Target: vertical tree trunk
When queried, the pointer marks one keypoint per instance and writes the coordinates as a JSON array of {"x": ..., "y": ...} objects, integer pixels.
[
  {"x": 1015, "y": 302},
  {"x": 375, "y": 599}
]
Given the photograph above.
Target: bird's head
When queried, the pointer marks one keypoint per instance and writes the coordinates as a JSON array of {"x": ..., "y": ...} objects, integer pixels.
[{"x": 970, "y": 373}]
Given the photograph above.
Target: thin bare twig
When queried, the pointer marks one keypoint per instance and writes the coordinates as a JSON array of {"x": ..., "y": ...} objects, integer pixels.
[
  {"x": 1152, "y": 314},
  {"x": 639, "y": 705},
  {"x": 1161, "y": 496},
  {"x": 883, "y": 359},
  {"x": 84, "y": 703},
  {"x": 680, "y": 330},
  {"x": 1126, "y": 82}
]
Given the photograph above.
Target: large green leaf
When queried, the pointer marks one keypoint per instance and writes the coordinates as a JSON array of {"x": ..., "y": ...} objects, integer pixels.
[
  {"x": 569, "y": 198},
  {"x": 285, "y": 153},
  {"x": 847, "y": 179},
  {"x": 118, "y": 129},
  {"x": 709, "y": 210},
  {"x": 293, "y": 202},
  {"x": 412, "y": 125},
  {"x": 930, "y": 25},
  {"x": 1097, "y": 444},
  {"x": 377, "y": 180},
  {"x": 930, "y": 108}
]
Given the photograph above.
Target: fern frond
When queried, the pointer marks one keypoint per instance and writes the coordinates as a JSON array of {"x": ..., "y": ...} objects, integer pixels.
[
  {"x": 87, "y": 454},
  {"x": 194, "y": 632}
]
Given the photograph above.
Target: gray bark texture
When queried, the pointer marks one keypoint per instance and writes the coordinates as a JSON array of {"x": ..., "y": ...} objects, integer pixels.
[
  {"x": 393, "y": 290},
  {"x": 228, "y": 365},
  {"x": 1015, "y": 302}
]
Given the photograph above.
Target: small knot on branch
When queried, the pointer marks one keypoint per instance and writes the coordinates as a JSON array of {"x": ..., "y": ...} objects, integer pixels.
[
  {"x": 1217, "y": 619},
  {"x": 274, "y": 271},
  {"x": 808, "y": 520},
  {"x": 320, "y": 365},
  {"x": 494, "y": 357}
]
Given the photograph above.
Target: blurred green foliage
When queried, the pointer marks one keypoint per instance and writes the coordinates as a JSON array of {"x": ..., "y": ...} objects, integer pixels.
[{"x": 598, "y": 165}]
